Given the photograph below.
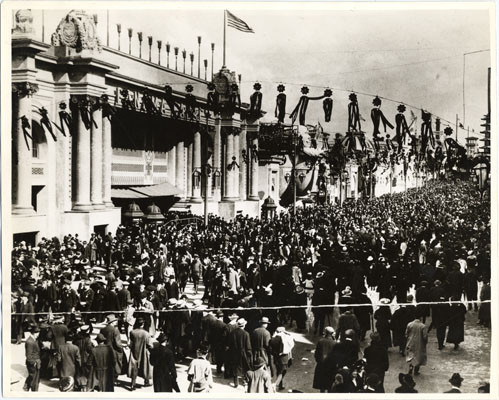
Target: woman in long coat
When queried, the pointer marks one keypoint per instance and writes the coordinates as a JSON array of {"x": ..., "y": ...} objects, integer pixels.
[
  {"x": 456, "y": 323},
  {"x": 417, "y": 338}
]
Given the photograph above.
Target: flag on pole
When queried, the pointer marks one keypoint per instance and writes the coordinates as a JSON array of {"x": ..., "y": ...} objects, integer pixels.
[{"x": 237, "y": 23}]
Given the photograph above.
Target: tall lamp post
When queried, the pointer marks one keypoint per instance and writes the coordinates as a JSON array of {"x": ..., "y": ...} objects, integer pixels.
[{"x": 481, "y": 171}]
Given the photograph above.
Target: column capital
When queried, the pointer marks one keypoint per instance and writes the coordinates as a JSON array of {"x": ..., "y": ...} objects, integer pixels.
[
  {"x": 22, "y": 89},
  {"x": 230, "y": 130}
]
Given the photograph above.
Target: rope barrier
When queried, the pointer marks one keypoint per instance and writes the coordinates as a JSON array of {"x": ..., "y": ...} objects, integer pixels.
[{"x": 242, "y": 309}]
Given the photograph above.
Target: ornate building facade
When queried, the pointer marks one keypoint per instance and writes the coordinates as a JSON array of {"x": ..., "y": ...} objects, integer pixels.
[{"x": 94, "y": 128}]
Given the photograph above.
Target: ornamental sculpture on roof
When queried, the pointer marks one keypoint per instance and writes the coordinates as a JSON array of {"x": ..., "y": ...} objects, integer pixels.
[
  {"x": 77, "y": 30},
  {"x": 23, "y": 22}
]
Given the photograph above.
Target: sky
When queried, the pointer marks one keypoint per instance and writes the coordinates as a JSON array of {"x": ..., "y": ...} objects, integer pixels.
[{"x": 414, "y": 56}]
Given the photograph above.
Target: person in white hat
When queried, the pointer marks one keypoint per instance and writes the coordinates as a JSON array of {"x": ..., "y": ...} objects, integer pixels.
[
  {"x": 260, "y": 339},
  {"x": 281, "y": 345}
]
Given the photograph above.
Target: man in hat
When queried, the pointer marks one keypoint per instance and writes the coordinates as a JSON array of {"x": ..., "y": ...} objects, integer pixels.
[
  {"x": 113, "y": 339},
  {"x": 259, "y": 380},
  {"x": 164, "y": 377},
  {"x": 86, "y": 298},
  {"x": 260, "y": 339},
  {"x": 25, "y": 310},
  {"x": 407, "y": 384},
  {"x": 68, "y": 300},
  {"x": 199, "y": 372},
  {"x": 196, "y": 271},
  {"x": 59, "y": 332},
  {"x": 325, "y": 368},
  {"x": 239, "y": 351},
  {"x": 33, "y": 361},
  {"x": 456, "y": 380},
  {"x": 372, "y": 384},
  {"x": 417, "y": 338},
  {"x": 84, "y": 343},
  {"x": 347, "y": 320},
  {"x": 70, "y": 357},
  {"x": 102, "y": 366},
  {"x": 172, "y": 288},
  {"x": 217, "y": 340},
  {"x": 140, "y": 343}
]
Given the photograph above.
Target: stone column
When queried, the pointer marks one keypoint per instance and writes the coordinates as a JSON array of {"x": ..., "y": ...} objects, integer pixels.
[
  {"x": 226, "y": 172},
  {"x": 82, "y": 164},
  {"x": 243, "y": 171},
  {"x": 236, "y": 170},
  {"x": 171, "y": 165},
  {"x": 21, "y": 185},
  {"x": 96, "y": 161},
  {"x": 107, "y": 160},
  {"x": 217, "y": 153},
  {"x": 253, "y": 162},
  {"x": 188, "y": 168},
  {"x": 196, "y": 166},
  {"x": 180, "y": 167}
]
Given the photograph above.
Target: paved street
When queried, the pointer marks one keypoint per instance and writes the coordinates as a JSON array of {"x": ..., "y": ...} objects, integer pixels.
[{"x": 471, "y": 361}]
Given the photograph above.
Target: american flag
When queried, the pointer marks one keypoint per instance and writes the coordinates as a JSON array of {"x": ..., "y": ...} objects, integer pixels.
[{"x": 237, "y": 23}]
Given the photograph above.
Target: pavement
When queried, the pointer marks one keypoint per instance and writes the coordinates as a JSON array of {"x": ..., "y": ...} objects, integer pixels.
[{"x": 471, "y": 360}]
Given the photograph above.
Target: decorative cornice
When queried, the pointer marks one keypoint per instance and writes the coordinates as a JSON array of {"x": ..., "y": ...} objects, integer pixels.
[{"x": 23, "y": 89}]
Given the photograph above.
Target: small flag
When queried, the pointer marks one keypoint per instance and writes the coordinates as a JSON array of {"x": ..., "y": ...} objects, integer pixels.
[{"x": 237, "y": 23}]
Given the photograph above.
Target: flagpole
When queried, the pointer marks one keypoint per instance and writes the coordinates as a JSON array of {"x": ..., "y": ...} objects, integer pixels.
[{"x": 225, "y": 24}]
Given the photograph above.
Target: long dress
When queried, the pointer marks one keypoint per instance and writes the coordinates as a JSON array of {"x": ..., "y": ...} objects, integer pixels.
[{"x": 417, "y": 338}]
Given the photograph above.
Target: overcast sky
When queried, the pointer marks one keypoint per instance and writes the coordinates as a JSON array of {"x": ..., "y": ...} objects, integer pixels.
[{"x": 415, "y": 56}]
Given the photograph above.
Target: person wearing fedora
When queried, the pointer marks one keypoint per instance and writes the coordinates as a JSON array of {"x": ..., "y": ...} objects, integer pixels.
[
  {"x": 33, "y": 361},
  {"x": 240, "y": 354},
  {"x": 164, "y": 376},
  {"x": 259, "y": 380},
  {"x": 113, "y": 339},
  {"x": 229, "y": 328},
  {"x": 260, "y": 339},
  {"x": 139, "y": 364},
  {"x": 407, "y": 384},
  {"x": 84, "y": 343},
  {"x": 217, "y": 340},
  {"x": 456, "y": 380},
  {"x": 102, "y": 366},
  {"x": 415, "y": 350}
]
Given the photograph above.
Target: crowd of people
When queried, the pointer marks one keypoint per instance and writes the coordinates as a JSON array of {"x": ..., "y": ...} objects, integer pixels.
[{"x": 428, "y": 246}]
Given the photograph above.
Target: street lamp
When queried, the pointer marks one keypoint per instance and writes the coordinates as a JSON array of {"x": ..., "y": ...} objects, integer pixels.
[{"x": 481, "y": 174}]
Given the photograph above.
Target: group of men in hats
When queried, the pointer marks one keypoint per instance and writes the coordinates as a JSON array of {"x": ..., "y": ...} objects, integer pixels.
[{"x": 436, "y": 236}]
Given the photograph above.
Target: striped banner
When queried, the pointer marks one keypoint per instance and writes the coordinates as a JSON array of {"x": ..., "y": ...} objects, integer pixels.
[{"x": 237, "y": 23}]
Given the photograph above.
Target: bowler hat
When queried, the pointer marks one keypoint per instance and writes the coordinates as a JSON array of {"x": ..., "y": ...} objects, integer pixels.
[
  {"x": 100, "y": 338},
  {"x": 161, "y": 338},
  {"x": 407, "y": 380},
  {"x": 456, "y": 379},
  {"x": 259, "y": 362},
  {"x": 66, "y": 384}
]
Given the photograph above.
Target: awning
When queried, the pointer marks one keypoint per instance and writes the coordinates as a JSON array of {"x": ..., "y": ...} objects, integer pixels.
[
  {"x": 159, "y": 190},
  {"x": 126, "y": 194},
  {"x": 142, "y": 192}
]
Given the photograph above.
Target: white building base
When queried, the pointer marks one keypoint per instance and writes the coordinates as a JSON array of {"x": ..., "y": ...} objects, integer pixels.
[{"x": 84, "y": 223}]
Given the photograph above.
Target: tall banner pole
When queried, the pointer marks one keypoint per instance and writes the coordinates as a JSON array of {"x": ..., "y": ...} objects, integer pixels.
[{"x": 225, "y": 25}]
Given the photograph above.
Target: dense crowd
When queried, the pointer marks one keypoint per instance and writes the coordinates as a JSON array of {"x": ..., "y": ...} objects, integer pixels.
[{"x": 433, "y": 242}]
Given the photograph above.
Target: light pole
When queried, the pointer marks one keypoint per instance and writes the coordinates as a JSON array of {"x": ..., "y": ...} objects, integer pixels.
[
  {"x": 464, "y": 70},
  {"x": 199, "y": 57},
  {"x": 481, "y": 173}
]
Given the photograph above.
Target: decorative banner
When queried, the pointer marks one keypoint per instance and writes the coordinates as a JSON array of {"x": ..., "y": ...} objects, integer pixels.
[
  {"x": 377, "y": 116},
  {"x": 26, "y": 127},
  {"x": 190, "y": 103},
  {"x": 456, "y": 154},
  {"x": 301, "y": 108},
  {"x": 234, "y": 98},
  {"x": 327, "y": 104},
  {"x": 402, "y": 129},
  {"x": 280, "y": 104},
  {"x": 45, "y": 122},
  {"x": 255, "y": 110},
  {"x": 64, "y": 118},
  {"x": 170, "y": 100},
  {"x": 147, "y": 104},
  {"x": 213, "y": 99},
  {"x": 107, "y": 109},
  {"x": 426, "y": 132},
  {"x": 353, "y": 114}
]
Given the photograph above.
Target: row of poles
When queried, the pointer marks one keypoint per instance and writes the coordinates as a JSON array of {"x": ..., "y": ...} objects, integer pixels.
[{"x": 168, "y": 48}]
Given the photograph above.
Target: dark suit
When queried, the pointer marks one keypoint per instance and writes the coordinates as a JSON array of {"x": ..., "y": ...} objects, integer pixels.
[
  {"x": 59, "y": 335},
  {"x": 70, "y": 360},
  {"x": 33, "y": 363},
  {"x": 113, "y": 339},
  {"x": 239, "y": 344},
  {"x": 102, "y": 368},
  {"x": 164, "y": 371}
]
